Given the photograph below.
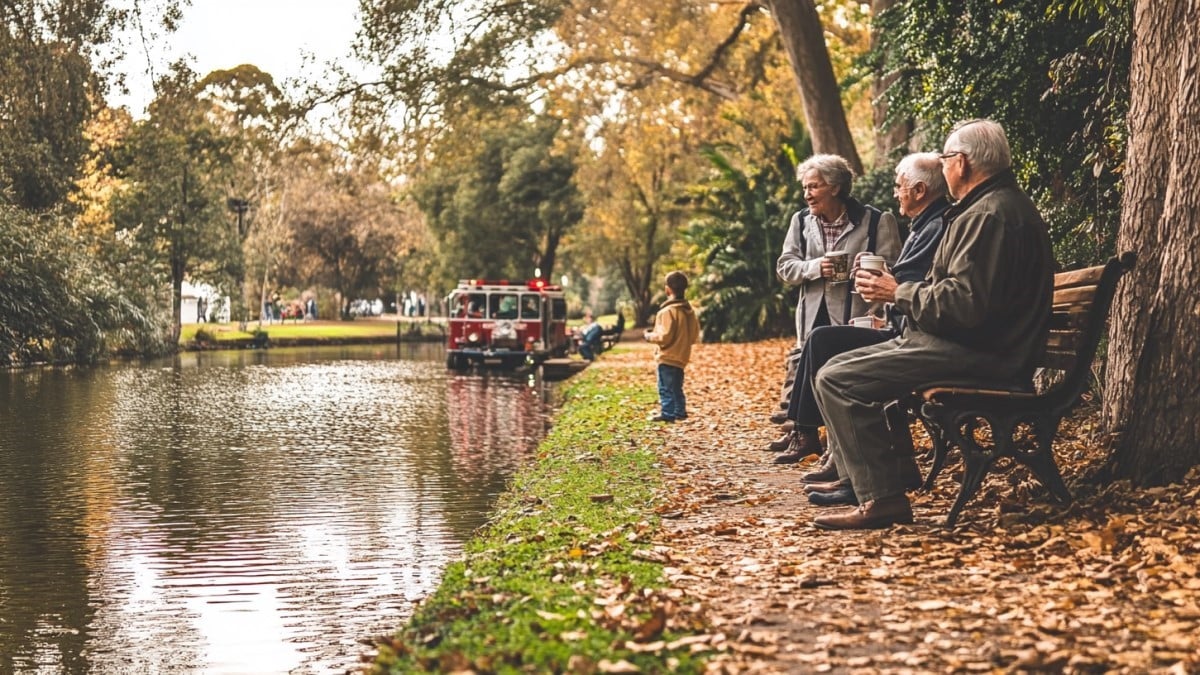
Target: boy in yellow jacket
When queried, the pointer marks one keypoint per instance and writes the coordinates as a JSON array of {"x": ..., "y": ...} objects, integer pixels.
[{"x": 676, "y": 329}]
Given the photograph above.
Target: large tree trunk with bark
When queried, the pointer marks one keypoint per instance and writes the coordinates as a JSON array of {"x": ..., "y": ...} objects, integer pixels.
[
  {"x": 1152, "y": 397},
  {"x": 804, "y": 38},
  {"x": 892, "y": 140}
]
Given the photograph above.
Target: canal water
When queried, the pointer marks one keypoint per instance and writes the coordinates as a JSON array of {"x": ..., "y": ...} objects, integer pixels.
[{"x": 242, "y": 512}]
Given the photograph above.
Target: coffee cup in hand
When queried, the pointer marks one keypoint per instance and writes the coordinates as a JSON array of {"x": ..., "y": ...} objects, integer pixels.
[
  {"x": 840, "y": 261},
  {"x": 874, "y": 263}
]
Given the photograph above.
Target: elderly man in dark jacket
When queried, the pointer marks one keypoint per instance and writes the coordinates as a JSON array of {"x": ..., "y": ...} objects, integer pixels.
[{"x": 980, "y": 317}]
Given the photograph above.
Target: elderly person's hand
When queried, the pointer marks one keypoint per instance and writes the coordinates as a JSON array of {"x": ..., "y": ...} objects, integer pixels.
[
  {"x": 826, "y": 267},
  {"x": 875, "y": 286}
]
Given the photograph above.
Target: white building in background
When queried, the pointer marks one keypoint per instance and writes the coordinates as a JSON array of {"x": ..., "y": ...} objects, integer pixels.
[{"x": 195, "y": 297}]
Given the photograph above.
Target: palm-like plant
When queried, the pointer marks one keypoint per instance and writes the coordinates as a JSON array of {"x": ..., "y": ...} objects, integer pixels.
[{"x": 738, "y": 230}]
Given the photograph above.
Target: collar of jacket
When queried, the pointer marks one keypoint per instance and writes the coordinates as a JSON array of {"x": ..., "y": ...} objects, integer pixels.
[
  {"x": 934, "y": 210},
  {"x": 1005, "y": 178},
  {"x": 675, "y": 301},
  {"x": 855, "y": 210}
]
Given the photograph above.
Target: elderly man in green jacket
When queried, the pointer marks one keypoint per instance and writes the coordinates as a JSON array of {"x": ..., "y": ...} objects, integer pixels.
[{"x": 980, "y": 317}]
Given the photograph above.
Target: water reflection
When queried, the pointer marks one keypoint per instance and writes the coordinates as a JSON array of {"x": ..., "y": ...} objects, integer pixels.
[{"x": 240, "y": 512}]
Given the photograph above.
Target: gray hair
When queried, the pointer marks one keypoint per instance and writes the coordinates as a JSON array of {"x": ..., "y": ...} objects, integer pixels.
[
  {"x": 924, "y": 167},
  {"x": 833, "y": 169},
  {"x": 984, "y": 144}
]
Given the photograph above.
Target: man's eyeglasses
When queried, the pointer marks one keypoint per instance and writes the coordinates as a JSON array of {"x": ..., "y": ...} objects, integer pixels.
[{"x": 947, "y": 155}]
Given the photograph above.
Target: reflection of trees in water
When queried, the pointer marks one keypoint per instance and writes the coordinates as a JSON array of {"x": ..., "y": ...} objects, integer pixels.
[{"x": 495, "y": 423}]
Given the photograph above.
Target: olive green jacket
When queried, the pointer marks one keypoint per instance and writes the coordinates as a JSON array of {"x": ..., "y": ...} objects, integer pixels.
[{"x": 991, "y": 285}]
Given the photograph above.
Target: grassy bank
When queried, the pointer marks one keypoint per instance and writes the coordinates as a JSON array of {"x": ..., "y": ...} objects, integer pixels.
[
  {"x": 229, "y": 336},
  {"x": 564, "y": 577}
]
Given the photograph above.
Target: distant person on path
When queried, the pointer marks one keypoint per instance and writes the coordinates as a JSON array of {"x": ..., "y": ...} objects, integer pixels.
[
  {"x": 920, "y": 189},
  {"x": 980, "y": 318},
  {"x": 676, "y": 329}
]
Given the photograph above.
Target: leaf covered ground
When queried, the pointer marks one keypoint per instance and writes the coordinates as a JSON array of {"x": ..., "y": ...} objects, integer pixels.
[{"x": 1108, "y": 584}]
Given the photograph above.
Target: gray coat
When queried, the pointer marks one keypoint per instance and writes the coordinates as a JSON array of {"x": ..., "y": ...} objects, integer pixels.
[{"x": 800, "y": 264}]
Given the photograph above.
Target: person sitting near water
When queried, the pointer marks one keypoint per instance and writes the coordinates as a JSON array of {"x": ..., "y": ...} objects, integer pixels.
[
  {"x": 980, "y": 318},
  {"x": 589, "y": 336},
  {"x": 920, "y": 189}
]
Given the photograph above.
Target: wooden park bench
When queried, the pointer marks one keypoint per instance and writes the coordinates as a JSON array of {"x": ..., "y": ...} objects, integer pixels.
[
  {"x": 955, "y": 416},
  {"x": 611, "y": 336}
]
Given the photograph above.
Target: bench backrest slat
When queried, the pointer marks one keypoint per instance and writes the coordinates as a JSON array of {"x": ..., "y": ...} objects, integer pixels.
[
  {"x": 1089, "y": 276},
  {"x": 1081, "y": 302},
  {"x": 1076, "y": 295}
]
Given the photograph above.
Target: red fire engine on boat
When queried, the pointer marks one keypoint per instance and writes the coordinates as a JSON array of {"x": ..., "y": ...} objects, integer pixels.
[{"x": 497, "y": 322}]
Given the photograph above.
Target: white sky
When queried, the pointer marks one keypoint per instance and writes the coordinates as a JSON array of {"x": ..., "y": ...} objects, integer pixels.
[{"x": 271, "y": 34}]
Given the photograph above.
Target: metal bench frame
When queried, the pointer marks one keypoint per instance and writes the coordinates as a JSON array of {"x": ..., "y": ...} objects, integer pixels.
[{"x": 952, "y": 415}]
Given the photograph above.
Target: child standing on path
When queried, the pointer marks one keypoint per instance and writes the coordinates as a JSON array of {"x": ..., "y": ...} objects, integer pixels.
[{"x": 676, "y": 329}]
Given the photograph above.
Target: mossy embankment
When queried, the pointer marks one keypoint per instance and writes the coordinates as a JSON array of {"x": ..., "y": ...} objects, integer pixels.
[
  {"x": 564, "y": 577},
  {"x": 307, "y": 333}
]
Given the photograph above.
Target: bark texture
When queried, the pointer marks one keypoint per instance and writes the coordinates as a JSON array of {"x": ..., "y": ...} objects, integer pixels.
[
  {"x": 1152, "y": 394},
  {"x": 895, "y": 139},
  {"x": 804, "y": 37}
]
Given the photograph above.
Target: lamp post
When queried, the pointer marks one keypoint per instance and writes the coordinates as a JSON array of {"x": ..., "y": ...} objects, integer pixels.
[{"x": 240, "y": 207}]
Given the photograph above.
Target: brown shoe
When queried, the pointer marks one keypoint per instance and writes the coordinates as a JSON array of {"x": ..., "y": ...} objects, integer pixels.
[
  {"x": 782, "y": 443},
  {"x": 787, "y": 426},
  {"x": 779, "y": 417},
  {"x": 874, "y": 514},
  {"x": 829, "y": 486},
  {"x": 791, "y": 457},
  {"x": 826, "y": 473},
  {"x": 806, "y": 441}
]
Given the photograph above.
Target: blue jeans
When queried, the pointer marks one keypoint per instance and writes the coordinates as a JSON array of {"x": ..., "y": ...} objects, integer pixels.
[{"x": 670, "y": 392}]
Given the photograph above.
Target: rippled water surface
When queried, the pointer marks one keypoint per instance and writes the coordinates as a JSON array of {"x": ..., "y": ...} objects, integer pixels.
[{"x": 241, "y": 512}]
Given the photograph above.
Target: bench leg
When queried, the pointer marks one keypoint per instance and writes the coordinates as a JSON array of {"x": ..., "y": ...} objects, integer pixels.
[
  {"x": 976, "y": 467},
  {"x": 1041, "y": 463},
  {"x": 940, "y": 450}
]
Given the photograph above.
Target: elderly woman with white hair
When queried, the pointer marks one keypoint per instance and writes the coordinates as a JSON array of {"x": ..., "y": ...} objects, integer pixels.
[{"x": 833, "y": 221}]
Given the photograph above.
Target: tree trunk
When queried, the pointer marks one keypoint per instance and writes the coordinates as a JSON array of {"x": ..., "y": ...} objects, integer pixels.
[
  {"x": 1152, "y": 397},
  {"x": 804, "y": 38},
  {"x": 178, "y": 267},
  {"x": 891, "y": 140}
]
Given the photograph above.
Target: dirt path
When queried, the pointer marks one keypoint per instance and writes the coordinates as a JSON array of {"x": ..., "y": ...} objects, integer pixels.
[{"x": 1108, "y": 585}]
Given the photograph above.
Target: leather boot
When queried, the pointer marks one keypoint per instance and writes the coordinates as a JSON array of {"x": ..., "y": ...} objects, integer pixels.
[
  {"x": 827, "y": 472},
  {"x": 877, "y": 513},
  {"x": 805, "y": 442},
  {"x": 830, "y": 486},
  {"x": 782, "y": 443},
  {"x": 843, "y": 496}
]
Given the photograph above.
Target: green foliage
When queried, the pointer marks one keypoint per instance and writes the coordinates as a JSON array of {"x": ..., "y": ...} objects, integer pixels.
[
  {"x": 176, "y": 164},
  {"x": 742, "y": 217},
  {"x": 57, "y": 304},
  {"x": 49, "y": 82},
  {"x": 502, "y": 210},
  {"x": 524, "y": 597},
  {"x": 1054, "y": 73}
]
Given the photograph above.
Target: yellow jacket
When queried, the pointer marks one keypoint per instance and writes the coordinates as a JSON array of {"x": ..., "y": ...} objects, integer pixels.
[{"x": 676, "y": 329}]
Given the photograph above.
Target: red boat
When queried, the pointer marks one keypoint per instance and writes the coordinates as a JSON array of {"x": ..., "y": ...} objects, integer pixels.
[{"x": 506, "y": 324}]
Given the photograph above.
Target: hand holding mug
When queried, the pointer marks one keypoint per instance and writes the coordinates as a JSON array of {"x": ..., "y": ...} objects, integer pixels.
[
  {"x": 875, "y": 285},
  {"x": 835, "y": 266}
]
